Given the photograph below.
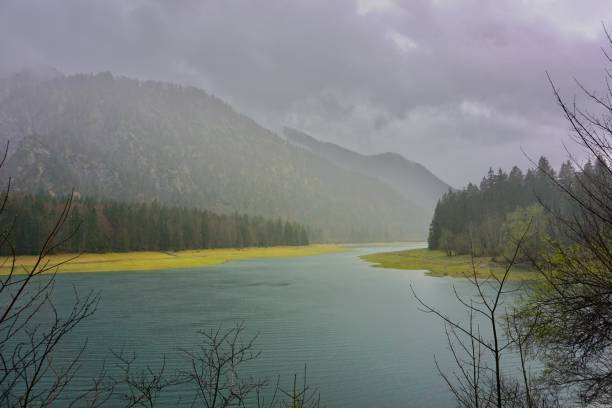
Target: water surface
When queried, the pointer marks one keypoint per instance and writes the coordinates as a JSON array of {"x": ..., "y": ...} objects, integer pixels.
[{"x": 357, "y": 328}]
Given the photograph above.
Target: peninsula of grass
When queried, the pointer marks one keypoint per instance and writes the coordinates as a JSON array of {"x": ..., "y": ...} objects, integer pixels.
[
  {"x": 149, "y": 260},
  {"x": 437, "y": 263}
]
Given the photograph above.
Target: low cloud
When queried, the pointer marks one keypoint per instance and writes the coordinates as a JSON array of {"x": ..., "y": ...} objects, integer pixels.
[{"x": 457, "y": 85}]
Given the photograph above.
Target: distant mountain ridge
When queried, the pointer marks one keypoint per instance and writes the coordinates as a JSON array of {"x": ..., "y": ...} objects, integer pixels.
[
  {"x": 124, "y": 139},
  {"x": 411, "y": 179}
]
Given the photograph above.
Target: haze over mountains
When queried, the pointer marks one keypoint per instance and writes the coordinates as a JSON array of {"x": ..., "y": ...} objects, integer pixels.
[
  {"x": 417, "y": 184},
  {"x": 119, "y": 138}
]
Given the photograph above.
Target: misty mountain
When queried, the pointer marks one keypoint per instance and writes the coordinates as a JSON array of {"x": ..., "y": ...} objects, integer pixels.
[
  {"x": 124, "y": 139},
  {"x": 411, "y": 179}
]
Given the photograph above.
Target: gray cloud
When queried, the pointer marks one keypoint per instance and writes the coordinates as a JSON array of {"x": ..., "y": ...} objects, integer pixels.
[{"x": 458, "y": 85}]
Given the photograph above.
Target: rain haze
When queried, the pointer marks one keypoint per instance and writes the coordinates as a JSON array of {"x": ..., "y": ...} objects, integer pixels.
[
  {"x": 458, "y": 86},
  {"x": 306, "y": 203}
]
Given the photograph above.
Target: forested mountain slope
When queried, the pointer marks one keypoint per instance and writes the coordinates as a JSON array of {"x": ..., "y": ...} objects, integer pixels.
[
  {"x": 409, "y": 178},
  {"x": 123, "y": 139}
]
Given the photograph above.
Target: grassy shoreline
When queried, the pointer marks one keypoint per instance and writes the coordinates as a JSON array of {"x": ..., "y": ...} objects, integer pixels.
[
  {"x": 436, "y": 263},
  {"x": 151, "y": 260}
]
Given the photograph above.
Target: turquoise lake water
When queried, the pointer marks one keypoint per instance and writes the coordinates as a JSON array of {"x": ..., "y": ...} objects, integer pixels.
[{"x": 355, "y": 327}]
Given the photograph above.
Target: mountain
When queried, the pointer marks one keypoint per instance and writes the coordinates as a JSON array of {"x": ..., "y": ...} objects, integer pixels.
[
  {"x": 123, "y": 139},
  {"x": 411, "y": 179}
]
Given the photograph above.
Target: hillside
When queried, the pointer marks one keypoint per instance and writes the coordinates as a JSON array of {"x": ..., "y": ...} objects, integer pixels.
[
  {"x": 123, "y": 139},
  {"x": 411, "y": 179}
]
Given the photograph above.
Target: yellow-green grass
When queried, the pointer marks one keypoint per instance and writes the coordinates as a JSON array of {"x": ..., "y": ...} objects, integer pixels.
[
  {"x": 436, "y": 263},
  {"x": 384, "y": 244},
  {"x": 149, "y": 260}
]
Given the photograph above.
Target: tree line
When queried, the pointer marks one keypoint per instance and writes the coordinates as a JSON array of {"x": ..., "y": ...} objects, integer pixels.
[
  {"x": 104, "y": 226},
  {"x": 488, "y": 219}
]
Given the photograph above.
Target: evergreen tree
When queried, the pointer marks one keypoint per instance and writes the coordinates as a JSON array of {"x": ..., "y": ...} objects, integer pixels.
[
  {"x": 473, "y": 219},
  {"x": 114, "y": 226}
]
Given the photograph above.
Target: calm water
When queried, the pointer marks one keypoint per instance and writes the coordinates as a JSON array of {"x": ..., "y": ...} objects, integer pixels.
[{"x": 357, "y": 328}]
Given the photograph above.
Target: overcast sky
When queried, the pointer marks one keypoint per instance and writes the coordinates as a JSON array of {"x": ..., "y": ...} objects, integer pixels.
[{"x": 457, "y": 85}]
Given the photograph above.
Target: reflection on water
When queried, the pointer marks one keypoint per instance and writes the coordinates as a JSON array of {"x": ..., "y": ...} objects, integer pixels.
[{"x": 357, "y": 328}]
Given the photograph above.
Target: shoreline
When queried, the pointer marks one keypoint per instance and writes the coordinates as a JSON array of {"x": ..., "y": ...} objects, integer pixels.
[
  {"x": 156, "y": 260},
  {"x": 437, "y": 264}
]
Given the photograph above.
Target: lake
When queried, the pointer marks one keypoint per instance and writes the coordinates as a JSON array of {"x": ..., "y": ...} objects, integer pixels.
[{"x": 357, "y": 328}]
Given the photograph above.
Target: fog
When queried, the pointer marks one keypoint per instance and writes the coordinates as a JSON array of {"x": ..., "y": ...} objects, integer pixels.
[{"x": 455, "y": 85}]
